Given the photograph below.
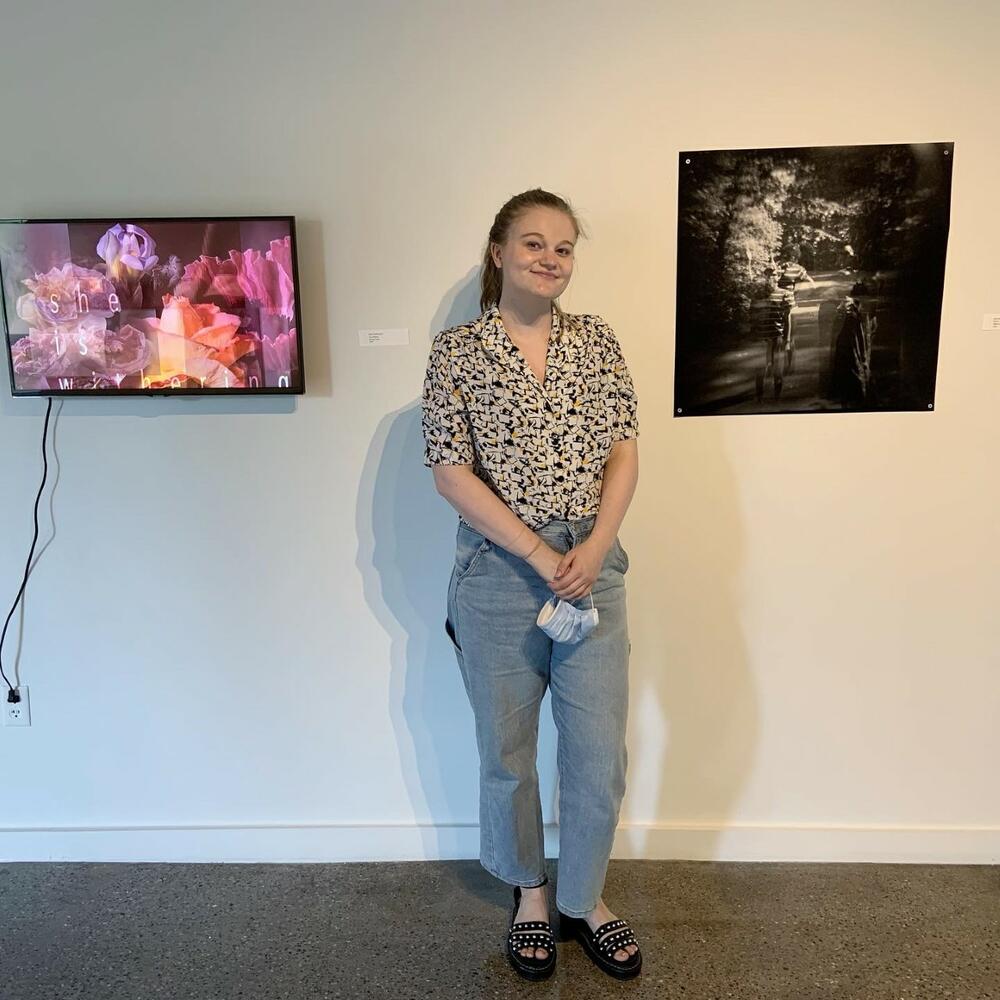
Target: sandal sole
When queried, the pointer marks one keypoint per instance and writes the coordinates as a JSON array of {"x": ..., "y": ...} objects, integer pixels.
[
  {"x": 570, "y": 930},
  {"x": 528, "y": 973}
]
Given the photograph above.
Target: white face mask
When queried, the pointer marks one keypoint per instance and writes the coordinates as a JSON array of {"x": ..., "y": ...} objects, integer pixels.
[{"x": 565, "y": 623}]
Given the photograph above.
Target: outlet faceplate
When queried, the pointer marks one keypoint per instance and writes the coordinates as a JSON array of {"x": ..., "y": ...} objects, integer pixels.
[{"x": 17, "y": 713}]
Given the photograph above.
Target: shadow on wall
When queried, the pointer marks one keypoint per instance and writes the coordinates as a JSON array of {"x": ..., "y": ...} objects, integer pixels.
[{"x": 406, "y": 533}]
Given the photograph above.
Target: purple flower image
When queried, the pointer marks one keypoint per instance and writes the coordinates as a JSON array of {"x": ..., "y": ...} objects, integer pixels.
[{"x": 127, "y": 247}]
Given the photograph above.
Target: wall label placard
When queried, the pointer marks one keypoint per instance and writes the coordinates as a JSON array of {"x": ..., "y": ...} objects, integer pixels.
[{"x": 383, "y": 338}]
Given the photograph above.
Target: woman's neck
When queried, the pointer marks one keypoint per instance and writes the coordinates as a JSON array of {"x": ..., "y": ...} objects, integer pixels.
[{"x": 534, "y": 314}]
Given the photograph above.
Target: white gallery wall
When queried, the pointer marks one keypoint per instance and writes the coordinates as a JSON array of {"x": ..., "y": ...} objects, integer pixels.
[{"x": 233, "y": 633}]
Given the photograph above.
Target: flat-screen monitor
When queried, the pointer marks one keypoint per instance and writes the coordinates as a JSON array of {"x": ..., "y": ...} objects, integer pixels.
[{"x": 151, "y": 306}]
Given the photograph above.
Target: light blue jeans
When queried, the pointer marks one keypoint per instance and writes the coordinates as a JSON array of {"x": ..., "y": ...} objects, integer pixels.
[{"x": 507, "y": 662}]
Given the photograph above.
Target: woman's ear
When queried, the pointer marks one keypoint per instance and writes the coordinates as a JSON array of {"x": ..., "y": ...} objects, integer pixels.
[{"x": 495, "y": 255}]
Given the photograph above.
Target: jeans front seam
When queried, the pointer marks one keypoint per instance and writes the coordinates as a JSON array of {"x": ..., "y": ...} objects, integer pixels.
[{"x": 493, "y": 831}]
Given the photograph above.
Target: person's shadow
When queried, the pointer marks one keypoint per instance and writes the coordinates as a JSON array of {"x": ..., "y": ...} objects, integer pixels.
[{"x": 406, "y": 532}]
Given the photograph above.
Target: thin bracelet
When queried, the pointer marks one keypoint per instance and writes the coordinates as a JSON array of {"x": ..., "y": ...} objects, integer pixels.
[
  {"x": 524, "y": 528},
  {"x": 532, "y": 552}
]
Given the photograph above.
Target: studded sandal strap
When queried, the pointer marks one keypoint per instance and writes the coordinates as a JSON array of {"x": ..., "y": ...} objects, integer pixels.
[
  {"x": 535, "y": 929},
  {"x": 618, "y": 939},
  {"x": 611, "y": 925},
  {"x": 526, "y": 933}
]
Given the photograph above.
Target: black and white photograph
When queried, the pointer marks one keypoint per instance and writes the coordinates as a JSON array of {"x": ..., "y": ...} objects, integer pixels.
[{"x": 810, "y": 279}]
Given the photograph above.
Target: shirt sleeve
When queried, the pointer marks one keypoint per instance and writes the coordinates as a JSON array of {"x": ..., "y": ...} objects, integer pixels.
[
  {"x": 626, "y": 409},
  {"x": 444, "y": 419}
]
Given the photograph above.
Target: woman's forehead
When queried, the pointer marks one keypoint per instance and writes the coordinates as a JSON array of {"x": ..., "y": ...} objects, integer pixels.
[{"x": 548, "y": 222}]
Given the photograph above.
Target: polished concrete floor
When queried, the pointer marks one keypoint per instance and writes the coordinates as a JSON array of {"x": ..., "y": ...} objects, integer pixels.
[{"x": 436, "y": 929}]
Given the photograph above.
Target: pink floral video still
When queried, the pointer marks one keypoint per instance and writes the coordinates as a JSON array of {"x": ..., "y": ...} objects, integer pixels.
[{"x": 154, "y": 305}]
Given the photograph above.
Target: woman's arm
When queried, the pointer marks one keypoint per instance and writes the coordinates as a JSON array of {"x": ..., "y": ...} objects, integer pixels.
[
  {"x": 484, "y": 510},
  {"x": 621, "y": 473},
  {"x": 574, "y": 576}
]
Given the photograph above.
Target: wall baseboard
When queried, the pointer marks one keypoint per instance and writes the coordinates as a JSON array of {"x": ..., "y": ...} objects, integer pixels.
[{"x": 335, "y": 842}]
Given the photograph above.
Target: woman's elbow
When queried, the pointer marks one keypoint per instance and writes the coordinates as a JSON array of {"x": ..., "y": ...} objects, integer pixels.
[{"x": 447, "y": 478}]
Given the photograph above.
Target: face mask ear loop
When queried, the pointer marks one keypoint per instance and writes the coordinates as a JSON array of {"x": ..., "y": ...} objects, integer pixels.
[
  {"x": 591, "y": 598},
  {"x": 552, "y": 610}
]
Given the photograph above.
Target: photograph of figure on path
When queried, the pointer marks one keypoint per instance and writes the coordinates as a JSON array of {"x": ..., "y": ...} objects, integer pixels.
[{"x": 810, "y": 279}]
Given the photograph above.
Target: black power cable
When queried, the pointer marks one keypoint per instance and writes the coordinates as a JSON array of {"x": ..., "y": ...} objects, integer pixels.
[{"x": 12, "y": 694}]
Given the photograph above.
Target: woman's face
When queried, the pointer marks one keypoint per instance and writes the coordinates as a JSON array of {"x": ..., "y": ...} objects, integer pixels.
[{"x": 537, "y": 259}]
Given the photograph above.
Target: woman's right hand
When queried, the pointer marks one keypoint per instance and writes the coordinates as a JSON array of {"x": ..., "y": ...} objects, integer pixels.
[{"x": 545, "y": 561}]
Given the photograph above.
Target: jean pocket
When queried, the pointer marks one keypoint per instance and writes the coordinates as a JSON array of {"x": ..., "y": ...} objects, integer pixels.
[
  {"x": 450, "y": 631},
  {"x": 622, "y": 556},
  {"x": 469, "y": 549}
]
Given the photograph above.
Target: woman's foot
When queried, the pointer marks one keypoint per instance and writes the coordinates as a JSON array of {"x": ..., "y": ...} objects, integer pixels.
[
  {"x": 534, "y": 906},
  {"x": 600, "y": 914}
]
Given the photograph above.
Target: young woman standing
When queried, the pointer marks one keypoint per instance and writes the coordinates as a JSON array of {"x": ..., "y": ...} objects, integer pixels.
[{"x": 530, "y": 424}]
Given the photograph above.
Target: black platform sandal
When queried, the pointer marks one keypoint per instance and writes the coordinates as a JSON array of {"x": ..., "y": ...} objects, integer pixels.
[
  {"x": 530, "y": 934},
  {"x": 602, "y": 952}
]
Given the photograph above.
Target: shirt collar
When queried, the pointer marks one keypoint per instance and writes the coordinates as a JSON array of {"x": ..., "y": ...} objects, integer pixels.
[{"x": 495, "y": 337}]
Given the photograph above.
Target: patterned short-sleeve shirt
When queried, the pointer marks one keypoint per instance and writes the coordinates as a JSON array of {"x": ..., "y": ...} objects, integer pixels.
[{"x": 540, "y": 447}]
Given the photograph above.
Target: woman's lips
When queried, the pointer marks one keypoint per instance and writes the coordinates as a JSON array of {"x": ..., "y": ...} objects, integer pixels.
[{"x": 550, "y": 276}]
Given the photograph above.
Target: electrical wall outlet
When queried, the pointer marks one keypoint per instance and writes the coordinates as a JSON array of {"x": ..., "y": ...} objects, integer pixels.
[{"x": 17, "y": 713}]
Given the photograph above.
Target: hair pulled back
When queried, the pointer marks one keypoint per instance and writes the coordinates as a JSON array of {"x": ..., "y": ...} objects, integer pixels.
[{"x": 491, "y": 277}]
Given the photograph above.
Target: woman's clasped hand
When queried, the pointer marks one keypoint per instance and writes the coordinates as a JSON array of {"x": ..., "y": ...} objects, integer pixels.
[{"x": 569, "y": 575}]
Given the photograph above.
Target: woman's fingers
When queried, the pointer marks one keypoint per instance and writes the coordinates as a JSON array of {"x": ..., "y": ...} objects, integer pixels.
[
  {"x": 571, "y": 590},
  {"x": 564, "y": 586}
]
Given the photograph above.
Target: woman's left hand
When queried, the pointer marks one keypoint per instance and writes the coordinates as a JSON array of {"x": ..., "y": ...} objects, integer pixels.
[{"x": 578, "y": 569}]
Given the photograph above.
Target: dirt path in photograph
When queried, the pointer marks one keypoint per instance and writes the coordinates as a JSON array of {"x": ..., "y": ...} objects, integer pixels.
[{"x": 729, "y": 379}]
